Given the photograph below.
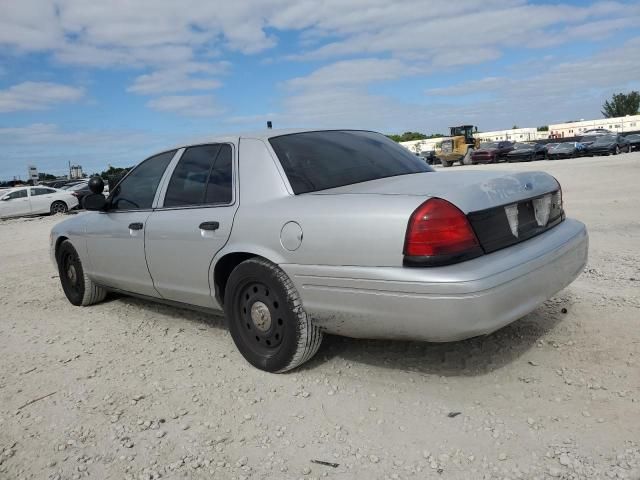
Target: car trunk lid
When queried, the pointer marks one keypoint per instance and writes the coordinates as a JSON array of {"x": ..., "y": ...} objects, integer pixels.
[
  {"x": 468, "y": 190},
  {"x": 503, "y": 208}
]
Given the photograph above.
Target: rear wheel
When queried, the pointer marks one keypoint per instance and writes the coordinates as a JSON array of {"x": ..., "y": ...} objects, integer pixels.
[
  {"x": 446, "y": 163},
  {"x": 78, "y": 287},
  {"x": 58, "y": 207},
  {"x": 617, "y": 150},
  {"x": 266, "y": 318}
]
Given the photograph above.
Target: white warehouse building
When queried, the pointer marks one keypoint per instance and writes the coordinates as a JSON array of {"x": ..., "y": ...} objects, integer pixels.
[
  {"x": 630, "y": 123},
  {"x": 513, "y": 134}
]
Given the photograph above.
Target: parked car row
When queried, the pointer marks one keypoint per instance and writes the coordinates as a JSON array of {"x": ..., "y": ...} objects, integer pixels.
[{"x": 589, "y": 145}]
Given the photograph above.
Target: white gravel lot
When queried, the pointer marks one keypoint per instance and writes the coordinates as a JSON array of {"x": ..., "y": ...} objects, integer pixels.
[{"x": 139, "y": 390}]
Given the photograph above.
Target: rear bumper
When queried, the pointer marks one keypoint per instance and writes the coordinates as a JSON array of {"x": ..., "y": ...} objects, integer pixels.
[{"x": 444, "y": 303}]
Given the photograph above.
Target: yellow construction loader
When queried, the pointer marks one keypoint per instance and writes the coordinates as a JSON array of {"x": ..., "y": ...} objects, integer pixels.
[{"x": 459, "y": 147}]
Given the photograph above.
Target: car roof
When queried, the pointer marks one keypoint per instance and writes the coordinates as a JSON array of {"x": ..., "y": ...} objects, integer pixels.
[{"x": 264, "y": 134}]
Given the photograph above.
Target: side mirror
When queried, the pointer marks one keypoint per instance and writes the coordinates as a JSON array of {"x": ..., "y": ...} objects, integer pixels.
[
  {"x": 96, "y": 185},
  {"x": 95, "y": 201}
]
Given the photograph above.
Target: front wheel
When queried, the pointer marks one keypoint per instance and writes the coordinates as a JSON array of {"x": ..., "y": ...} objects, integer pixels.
[
  {"x": 78, "y": 287},
  {"x": 58, "y": 207},
  {"x": 266, "y": 318},
  {"x": 617, "y": 150},
  {"x": 445, "y": 163}
]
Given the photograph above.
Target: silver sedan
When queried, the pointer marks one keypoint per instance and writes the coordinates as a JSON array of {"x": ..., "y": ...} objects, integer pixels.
[{"x": 294, "y": 234}]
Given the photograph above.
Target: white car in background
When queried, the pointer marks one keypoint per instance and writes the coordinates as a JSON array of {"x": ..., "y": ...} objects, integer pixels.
[{"x": 20, "y": 201}]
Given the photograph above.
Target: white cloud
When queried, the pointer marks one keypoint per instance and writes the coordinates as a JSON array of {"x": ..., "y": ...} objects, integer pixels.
[
  {"x": 546, "y": 96},
  {"x": 181, "y": 78},
  {"x": 170, "y": 81},
  {"x": 37, "y": 96},
  {"x": 367, "y": 42},
  {"x": 355, "y": 72},
  {"x": 158, "y": 33},
  {"x": 187, "y": 105},
  {"x": 613, "y": 68},
  {"x": 29, "y": 25},
  {"x": 341, "y": 94}
]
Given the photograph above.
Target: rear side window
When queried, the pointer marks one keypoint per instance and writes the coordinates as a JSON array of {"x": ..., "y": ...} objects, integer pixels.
[
  {"x": 137, "y": 190},
  {"x": 41, "y": 191},
  {"x": 202, "y": 176},
  {"x": 316, "y": 161}
]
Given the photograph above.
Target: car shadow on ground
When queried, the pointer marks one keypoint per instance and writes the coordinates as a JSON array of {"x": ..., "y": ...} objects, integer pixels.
[{"x": 473, "y": 357}]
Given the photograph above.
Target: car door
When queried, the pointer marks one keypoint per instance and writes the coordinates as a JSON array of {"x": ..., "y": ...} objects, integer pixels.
[
  {"x": 116, "y": 237},
  {"x": 41, "y": 199},
  {"x": 15, "y": 203},
  {"x": 192, "y": 223}
]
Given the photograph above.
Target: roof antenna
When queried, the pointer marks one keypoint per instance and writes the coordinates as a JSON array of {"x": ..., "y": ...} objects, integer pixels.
[{"x": 269, "y": 125}]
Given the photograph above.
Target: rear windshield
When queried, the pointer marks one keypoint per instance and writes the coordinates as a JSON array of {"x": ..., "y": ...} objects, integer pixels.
[{"x": 316, "y": 161}]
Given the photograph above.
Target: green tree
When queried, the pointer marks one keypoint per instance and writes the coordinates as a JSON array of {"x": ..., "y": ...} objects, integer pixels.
[
  {"x": 543, "y": 128},
  {"x": 45, "y": 176},
  {"x": 622, "y": 104},
  {"x": 407, "y": 137}
]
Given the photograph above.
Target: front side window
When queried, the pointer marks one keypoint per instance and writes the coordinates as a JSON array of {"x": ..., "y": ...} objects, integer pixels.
[
  {"x": 137, "y": 190},
  {"x": 203, "y": 176},
  {"x": 16, "y": 194},
  {"x": 321, "y": 160}
]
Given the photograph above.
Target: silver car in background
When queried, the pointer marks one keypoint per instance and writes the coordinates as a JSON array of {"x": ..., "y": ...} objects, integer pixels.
[{"x": 293, "y": 234}]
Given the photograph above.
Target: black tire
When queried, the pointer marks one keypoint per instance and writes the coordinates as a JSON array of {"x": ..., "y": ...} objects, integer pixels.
[
  {"x": 445, "y": 163},
  {"x": 78, "y": 287},
  {"x": 617, "y": 150},
  {"x": 58, "y": 207},
  {"x": 266, "y": 318}
]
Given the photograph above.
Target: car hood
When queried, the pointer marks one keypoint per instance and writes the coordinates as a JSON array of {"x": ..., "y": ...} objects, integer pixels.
[
  {"x": 521, "y": 150},
  {"x": 603, "y": 144},
  {"x": 468, "y": 190}
]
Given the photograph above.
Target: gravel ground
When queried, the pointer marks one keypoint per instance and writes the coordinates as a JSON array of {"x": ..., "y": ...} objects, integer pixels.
[{"x": 130, "y": 389}]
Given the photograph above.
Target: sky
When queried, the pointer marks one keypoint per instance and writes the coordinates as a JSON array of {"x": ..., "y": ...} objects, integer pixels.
[{"x": 109, "y": 83}]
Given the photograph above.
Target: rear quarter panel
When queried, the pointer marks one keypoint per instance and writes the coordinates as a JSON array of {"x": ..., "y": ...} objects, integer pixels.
[{"x": 365, "y": 230}]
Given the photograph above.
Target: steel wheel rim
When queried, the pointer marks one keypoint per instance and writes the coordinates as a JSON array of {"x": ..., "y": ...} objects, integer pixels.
[
  {"x": 58, "y": 208},
  {"x": 70, "y": 272},
  {"x": 261, "y": 312}
]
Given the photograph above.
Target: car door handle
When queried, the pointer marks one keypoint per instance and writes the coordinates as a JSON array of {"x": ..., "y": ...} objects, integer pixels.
[
  {"x": 136, "y": 226},
  {"x": 209, "y": 226}
]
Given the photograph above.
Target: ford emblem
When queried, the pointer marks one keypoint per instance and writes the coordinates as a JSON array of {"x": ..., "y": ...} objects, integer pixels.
[{"x": 528, "y": 186}]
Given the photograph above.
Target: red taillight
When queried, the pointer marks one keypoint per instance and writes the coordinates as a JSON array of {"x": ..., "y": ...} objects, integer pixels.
[{"x": 439, "y": 229}]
